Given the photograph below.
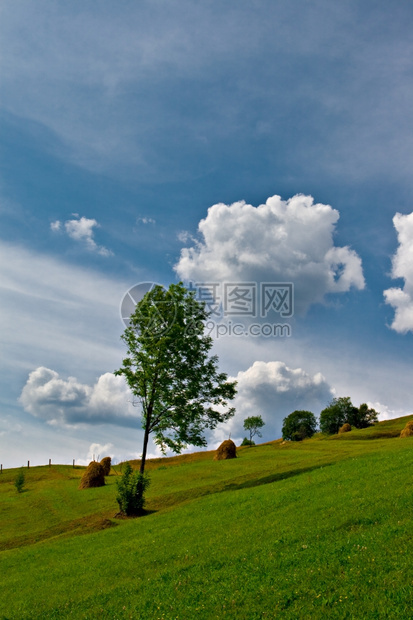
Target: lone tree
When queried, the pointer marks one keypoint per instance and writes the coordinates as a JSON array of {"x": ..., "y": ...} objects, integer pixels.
[
  {"x": 253, "y": 425},
  {"x": 299, "y": 425},
  {"x": 170, "y": 372}
]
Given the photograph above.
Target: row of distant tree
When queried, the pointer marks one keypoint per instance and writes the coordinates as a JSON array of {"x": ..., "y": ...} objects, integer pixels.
[{"x": 300, "y": 425}]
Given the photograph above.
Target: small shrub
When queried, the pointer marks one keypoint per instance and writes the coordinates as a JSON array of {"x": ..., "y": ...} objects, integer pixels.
[
  {"x": 345, "y": 428},
  {"x": 106, "y": 463},
  {"x": 19, "y": 481},
  {"x": 227, "y": 450},
  {"x": 408, "y": 430},
  {"x": 247, "y": 442},
  {"x": 131, "y": 492},
  {"x": 94, "y": 476}
]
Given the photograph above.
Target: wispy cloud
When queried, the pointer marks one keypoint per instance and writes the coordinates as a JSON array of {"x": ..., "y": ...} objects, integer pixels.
[
  {"x": 114, "y": 95},
  {"x": 56, "y": 314}
]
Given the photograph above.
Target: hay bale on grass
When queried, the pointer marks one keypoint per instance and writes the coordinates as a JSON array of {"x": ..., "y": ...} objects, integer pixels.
[
  {"x": 345, "y": 428},
  {"x": 94, "y": 476},
  {"x": 408, "y": 430},
  {"x": 227, "y": 450},
  {"x": 106, "y": 463}
]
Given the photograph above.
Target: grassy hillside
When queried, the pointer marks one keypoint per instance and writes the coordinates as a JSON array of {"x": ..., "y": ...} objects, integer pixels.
[{"x": 320, "y": 529}]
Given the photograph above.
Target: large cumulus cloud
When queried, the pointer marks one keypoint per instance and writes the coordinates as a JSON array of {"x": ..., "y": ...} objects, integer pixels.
[
  {"x": 68, "y": 402},
  {"x": 402, "y": 267},
  {"x": 273, "y": 390},
  {"x": 279, "y": 241}
]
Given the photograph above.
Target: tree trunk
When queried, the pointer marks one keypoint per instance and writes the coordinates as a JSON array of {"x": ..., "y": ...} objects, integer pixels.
[{"x": 145, "y": 440}]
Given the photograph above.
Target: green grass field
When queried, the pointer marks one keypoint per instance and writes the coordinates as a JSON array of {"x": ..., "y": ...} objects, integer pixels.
[{"x": 319, "y": 529}]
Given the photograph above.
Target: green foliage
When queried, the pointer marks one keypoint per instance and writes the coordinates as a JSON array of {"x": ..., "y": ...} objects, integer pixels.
[
  {"x": 247, "y": 442},
  {"x": 341, "y": 411},
  {"x": 362, "y": 417},
  {"x": 131, "y": 491},
  {"x": 338, "y": 412},
  {"x": 299, "y": 425},
  {"x": 170, "y": 372},
  {"x": 253, "y": 424},
  {"x": 19, "y": 481}
]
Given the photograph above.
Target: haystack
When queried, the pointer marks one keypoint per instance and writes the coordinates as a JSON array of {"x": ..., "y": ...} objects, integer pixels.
[
  {"x": 227, "y": 450},
  {"x": 408, "y": 430},
  {"x": 94, "y": 476},
  {"x": 345, "y": 428},
  {"x": 106, "y": 463}
]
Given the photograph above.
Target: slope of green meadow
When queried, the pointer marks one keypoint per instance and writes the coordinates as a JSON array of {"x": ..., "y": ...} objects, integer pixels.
[{"x": 318, "y": 529}]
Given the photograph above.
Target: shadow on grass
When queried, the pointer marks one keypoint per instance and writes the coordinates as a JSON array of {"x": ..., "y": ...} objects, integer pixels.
[
  {"x": 250, "y": 484},
  {"x": 143, "y": 513},
  {"x": 83, "y": 525},
  {"x": 173, "y": 499}
]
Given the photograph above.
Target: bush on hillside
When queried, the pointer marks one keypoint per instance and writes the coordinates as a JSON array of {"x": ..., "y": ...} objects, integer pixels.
[
  {"x": 131, "y": 491},
  {"x": 247, "y": 442},
  {"x": 299, "y": 425},
  {"x": 19, "y": 481},
  {"x": 408, "y": 430},
  {"x": 94, "y": 476},
  {"x": 345, "y": 428},
  {"x": 227, "y": 450},
  {"x": 106, "y": 463}
]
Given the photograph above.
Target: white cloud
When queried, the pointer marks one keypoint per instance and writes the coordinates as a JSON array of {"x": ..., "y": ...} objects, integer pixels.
[
  {"x": 184, "y": 236},
  {"x": 145, "y": 220},
  {"x": 82, "y": 230},
  {"x": 279, "y": 241},
  {"x": 273, "y": 390},
  {"x": 386, "y": 413},
  {"x": 98, "y": 451},
  {"x": 69, "y": 402},
  {"x": 55, "y": 226},
  {"x": 402, "y": 267}
]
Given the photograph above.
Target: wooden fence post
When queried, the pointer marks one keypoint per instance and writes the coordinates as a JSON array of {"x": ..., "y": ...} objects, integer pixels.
[
  {"x": 50, "y": 462},
  {"x": 73, "y": 463},
  {"x": 28, "y": 464}
]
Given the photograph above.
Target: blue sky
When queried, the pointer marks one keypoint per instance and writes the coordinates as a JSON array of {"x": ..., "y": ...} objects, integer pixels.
[{"x": 122, "y": 125}]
